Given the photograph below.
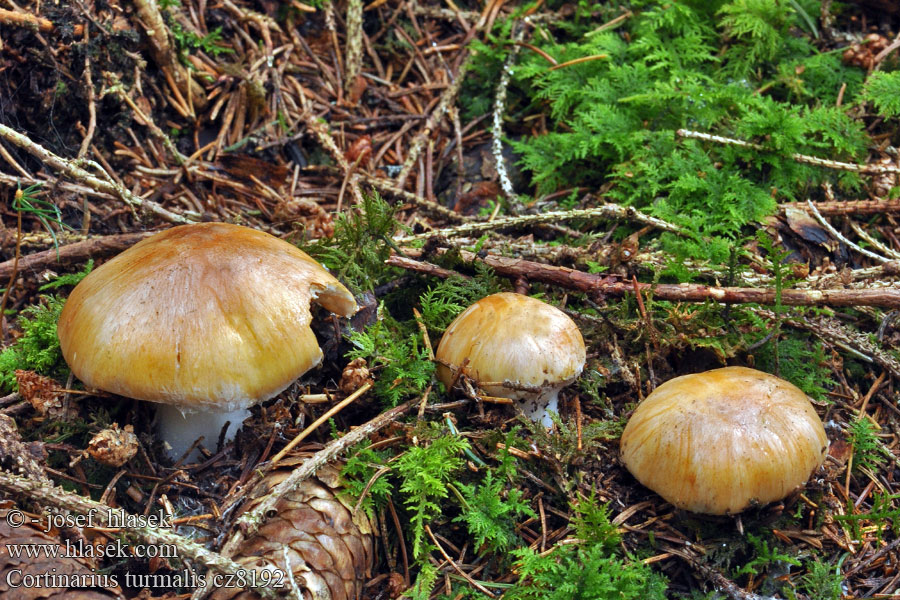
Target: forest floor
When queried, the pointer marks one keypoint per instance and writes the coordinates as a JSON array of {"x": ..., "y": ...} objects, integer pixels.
[{"x": 696, "y": 184}]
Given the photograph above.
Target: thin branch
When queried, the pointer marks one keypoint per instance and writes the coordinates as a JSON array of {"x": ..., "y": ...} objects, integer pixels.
[
  {"x": 77, "y": 173},
  {"x": 74, "y": 253},
  {"x": 499, "y": 109},
  {"x": 353, "y": 57},
  {"x": 803, "y": 158},
  {"x": 390, "y": 187},
  {"x": 889, "y": 252},
  {"x": 51, "y": 495},
  {"x": 27, "y": 20},
  {"x": 837, "y": 235},
  {"x": 684, "y": 292},
  {"x": 607, "y": 211},
  {"x": 315, "y": 424},
  {"x": 850, "y": 207}
]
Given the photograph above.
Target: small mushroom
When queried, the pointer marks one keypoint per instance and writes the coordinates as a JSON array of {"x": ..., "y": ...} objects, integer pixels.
[
  {"x": 206, "y": 319},
  {"x": 514, "y": 346},
  {"x": 721, "y": 441}
]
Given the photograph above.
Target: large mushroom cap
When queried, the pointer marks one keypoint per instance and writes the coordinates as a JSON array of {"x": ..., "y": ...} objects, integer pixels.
[
  {"x": 516, "y": 346},
  {"x": 720, "y": 441},
  {"x": 199, "y": 316}
]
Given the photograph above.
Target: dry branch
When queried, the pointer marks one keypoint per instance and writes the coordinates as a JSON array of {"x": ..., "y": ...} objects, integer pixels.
[
  {"x": 21, "y": 19},
  {"x": 164, "y": 56},
  {"x": 837, "y": 235},
  {"x": 849, "y": 207},
  {"x": 77, "y": 173},
  {"x": 74, "y": 253},
  {"x": 497, "y": 115},
  {"x": 802, "y": 158},
  {"x": 683, "y": 292},
  {"x": 353, "y": 57},
  {"x": 51, "y": 495},
  {"x": 607, "y": 211}
]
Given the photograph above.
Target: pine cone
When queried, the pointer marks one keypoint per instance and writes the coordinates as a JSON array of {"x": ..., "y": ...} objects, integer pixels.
[
  {"x": 329, "y": 549},
  {"x": 45, "y": 578}
]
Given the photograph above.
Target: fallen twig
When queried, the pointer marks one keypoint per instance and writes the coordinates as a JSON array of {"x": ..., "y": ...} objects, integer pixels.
[
  {"x": 837, "y": 235},
  {"x": 607, "y": 211},
  {"x": 75, "y": 172},
  {"x": 497, "y": 115},
  {"x": 22, "y": 19},
  {"x": 849, "y": 207},
  {"x": 718, "y": 581},
  {"x": 353, "y": 56},
  {"x": 888, "y": 297},
  {"x": 48, "y": 494},
  {"x": 73, "y": 253},
  {"x": 803, "y": 158}
]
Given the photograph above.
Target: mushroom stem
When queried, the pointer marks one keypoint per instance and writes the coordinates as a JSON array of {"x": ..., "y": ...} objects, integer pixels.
[
  {"x": 538, "y": 407},
  {"x": 181, "y": 429}
]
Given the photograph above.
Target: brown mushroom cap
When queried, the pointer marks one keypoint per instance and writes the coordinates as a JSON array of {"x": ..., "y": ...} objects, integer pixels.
[
  {"x": 720, "y": 441},
  {"x": 517, "y": 347},
  {"x": 205, "y": 316}
]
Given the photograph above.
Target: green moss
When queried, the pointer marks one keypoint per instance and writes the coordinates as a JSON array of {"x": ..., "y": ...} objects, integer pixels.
[{"x": 38, "y": 348}]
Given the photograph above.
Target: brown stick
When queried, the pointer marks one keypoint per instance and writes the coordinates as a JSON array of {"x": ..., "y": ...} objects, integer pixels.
[
  {"x": 73, "y": 253},
  {"x": 163, "y": 53},
  {"x": 849, "y": 207},
  {"x": 684, "y": 292},
  {"x": 22, "y": 19},
  {"x": 74, "y": 171},
  {"x": 48, "y": 494}
]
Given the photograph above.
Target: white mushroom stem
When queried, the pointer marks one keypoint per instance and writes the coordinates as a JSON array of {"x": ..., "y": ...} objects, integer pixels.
[
  {"x": 538, "y": 407},
  {"x": 181, "y": 429}
]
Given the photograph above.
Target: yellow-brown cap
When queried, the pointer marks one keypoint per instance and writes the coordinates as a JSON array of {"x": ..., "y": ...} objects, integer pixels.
[
  {"x": 199, "y": 316},
  {"x": 517, "y": 347},
  {"x": 720, "y": 441}
]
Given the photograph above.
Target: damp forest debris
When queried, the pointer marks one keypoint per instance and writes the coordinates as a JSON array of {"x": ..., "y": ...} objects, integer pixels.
[{"x": 695, "y": 184}]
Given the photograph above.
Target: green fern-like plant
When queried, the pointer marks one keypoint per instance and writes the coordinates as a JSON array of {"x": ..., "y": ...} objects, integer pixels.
[
  {"x": 589, "y": 571},
  {"x": 613, "y": 119},
  {"x": 425, "y": 472},
  {"x": 822, "y": 581},
  {"x": 443, "y": 302},
  {"x": 585, "y": 572},
  {"x": 398, "y": 355},
  {"x": 764, "y": 556},
  {"x": 72, "y": 279},
  {"x": 360, "y": 244},
  {"x": 866, "y": 448},
  {"x": 358, "y": 470},
  {"x": 883, "y": 90},
  {"x": 491, "y": 512}
]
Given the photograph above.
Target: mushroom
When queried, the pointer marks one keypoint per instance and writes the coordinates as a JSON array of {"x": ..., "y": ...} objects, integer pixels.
[
  {"x": 205, "y": 319},
  {"x": 721, "y": 441},
  {"x": 514, "y": 347}
]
